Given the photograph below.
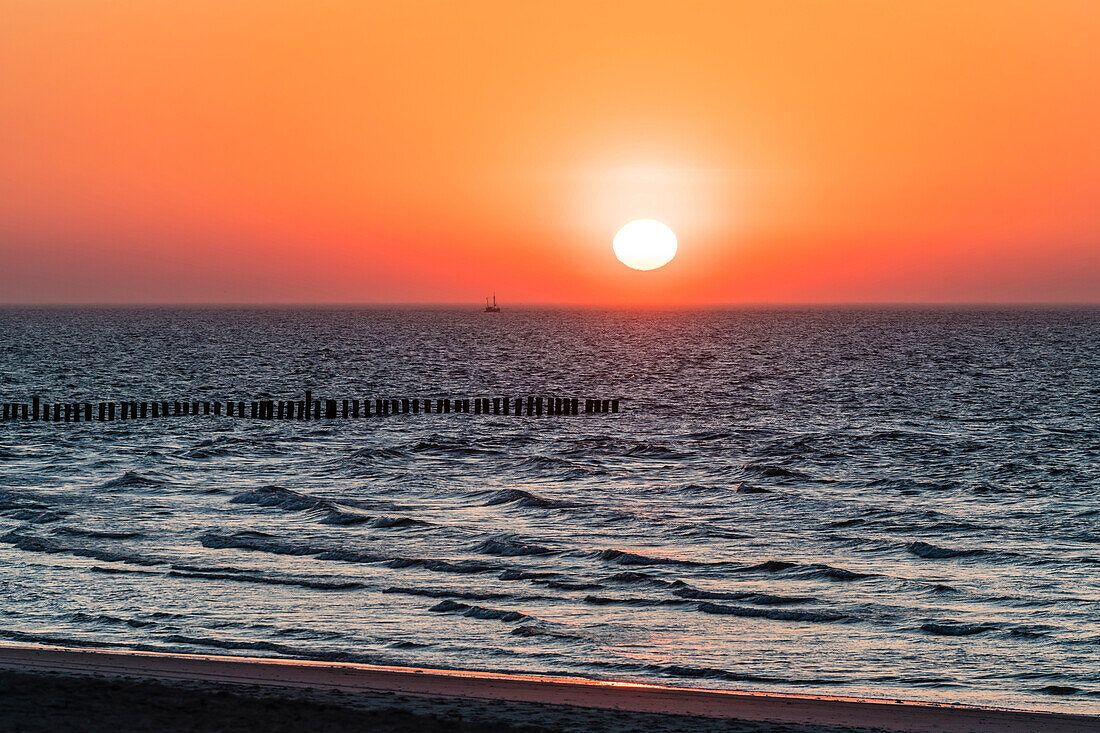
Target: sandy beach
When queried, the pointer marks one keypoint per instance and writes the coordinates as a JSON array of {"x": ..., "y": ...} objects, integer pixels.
[{"x": 47, "y": 688}]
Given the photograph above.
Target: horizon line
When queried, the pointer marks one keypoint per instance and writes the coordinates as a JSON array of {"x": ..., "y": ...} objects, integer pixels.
[{"x": 564, "y": 304}]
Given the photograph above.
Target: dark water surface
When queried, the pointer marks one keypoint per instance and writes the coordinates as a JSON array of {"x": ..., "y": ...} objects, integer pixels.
[{"x": 897, "y": 503}]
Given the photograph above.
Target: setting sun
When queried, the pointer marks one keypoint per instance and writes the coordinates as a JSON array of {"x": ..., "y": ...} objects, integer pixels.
[{"x": 645, "y": 244}]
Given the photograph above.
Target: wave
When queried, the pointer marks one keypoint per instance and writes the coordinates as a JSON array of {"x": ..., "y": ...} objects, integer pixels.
[
  {"x": 622, "y": 557},
  {"x": 567, "y": 585},
  {"x": 387, "y": 522},
  {"x": 257, "y": 541},
  {"x": 294, "y": 501},
  {"x": 772, "y": 613},
  {"x": 653, "y": 450},
  {"x": 640, "y": 602},
  {"x": 442, "y": 593},
  {"x": 529, "y": 630},
  {"x": 38, "y": 516},
  {"x": 50, "y": 640},
  {"x": 286, "y": 499},
  {"x": 956, "y": 629},
  {"x": 121, "y": 571},
  {"x": 522, "y": 498},
  {"x": 271, "y": 580},
  {"x": 31, "y": 543},
  {"x": 261, "y": 542},
  {"x": 768, "y": 470},
  {"x": 300, "y": 633},
  {"x": 441, "y": 566},
  {"x": 632, "y": 576},
  {"x": 932, "y": 552},
  {"x": 506, "y": 547},
  {"x": 526, "y": 575},
  {"x": 691, "y": 672},
  {"x": 128, "y": 480},
  {"x": 264, "y": 646},
  {"x": 759, "y": 599},
  {"x": 133, "y": 623},
  {"x": 812, "y": 570},
  {"x": 1059, "y": 690},
  {"x": 95, "y": 533},
  {"x": 479, "y": 612},
  {"x": 768, "y": 566},
  {"x": 439, "y": 444}
]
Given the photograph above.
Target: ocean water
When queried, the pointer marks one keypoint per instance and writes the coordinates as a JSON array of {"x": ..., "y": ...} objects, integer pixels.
[{"x": 894, "y": 503}]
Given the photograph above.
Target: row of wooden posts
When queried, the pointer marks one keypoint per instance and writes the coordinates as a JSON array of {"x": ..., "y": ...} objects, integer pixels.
[{"x": 309, "y": 408}]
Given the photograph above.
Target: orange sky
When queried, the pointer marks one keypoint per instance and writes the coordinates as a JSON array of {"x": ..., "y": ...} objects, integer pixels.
[{"x": 213, "y": 151}]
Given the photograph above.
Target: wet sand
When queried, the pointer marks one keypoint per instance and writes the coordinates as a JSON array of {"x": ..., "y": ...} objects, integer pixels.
[{"x": 52, "y": 688}]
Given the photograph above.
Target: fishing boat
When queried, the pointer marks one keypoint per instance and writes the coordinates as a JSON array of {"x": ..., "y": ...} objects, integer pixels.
[{"x": 494, "y": 308}]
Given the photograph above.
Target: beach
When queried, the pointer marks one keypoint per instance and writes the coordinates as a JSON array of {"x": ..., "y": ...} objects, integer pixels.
[{"x": 48, "y": 688}]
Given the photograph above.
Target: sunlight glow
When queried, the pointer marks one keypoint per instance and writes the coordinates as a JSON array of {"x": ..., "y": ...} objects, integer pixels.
[{"x": 645, "y": 244}]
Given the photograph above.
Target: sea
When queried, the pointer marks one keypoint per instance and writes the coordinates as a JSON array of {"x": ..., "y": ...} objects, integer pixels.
[{"x": 886, "y": 502}]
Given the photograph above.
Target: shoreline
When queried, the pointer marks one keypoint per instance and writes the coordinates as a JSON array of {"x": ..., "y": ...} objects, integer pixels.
[{"x": 287, "y": 678}]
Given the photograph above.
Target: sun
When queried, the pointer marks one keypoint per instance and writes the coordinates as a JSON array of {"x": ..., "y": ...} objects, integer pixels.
[{"x": 645, "y": 244}]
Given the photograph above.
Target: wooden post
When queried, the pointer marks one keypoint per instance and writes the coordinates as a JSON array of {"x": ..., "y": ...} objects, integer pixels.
[
  {"x": 144, "y": 410},
  {"x": 110, "y": 410},
  {"x": 538, "y": 406},
  {"x": 477, "y": 406},
  {"x": 346, "y": 409},
  {"x": 7, "y": 411},
  {"x": 309, "y": 404},
  {"x": 36, "y": 406},
  {"x": 217, "y": 408},
  {"x": 416, "y": 406},
  {"x": 102, "y": 411},
  {"x": 530, "y": 405},
  {"x": 156, "y": 410},
  {"x": 614, "y": 405},
  {"x": 505, "y": 401},
  {"x": 330, "y": 408}
]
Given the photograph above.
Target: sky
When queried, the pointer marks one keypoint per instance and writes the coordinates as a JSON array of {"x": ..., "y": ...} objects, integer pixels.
[{"x": 358, "y": 152}]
